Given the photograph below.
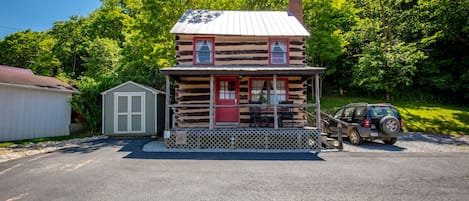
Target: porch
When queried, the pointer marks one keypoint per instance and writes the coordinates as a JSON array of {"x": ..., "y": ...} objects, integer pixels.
[{"x": 242, "y": 107}]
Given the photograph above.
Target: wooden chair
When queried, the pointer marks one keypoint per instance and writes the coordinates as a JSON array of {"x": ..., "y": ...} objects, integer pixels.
[{"x": 286, "y": 113}]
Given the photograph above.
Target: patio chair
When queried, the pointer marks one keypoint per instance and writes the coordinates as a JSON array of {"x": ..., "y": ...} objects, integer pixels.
[
  {"x": 255, "y": 117},
  {"x": 286, "y": 113}
]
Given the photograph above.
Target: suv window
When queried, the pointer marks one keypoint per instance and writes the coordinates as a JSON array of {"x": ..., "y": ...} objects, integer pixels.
[
  {"x": 348, "y": 112},
  {"x": 379, "y": 111},
  {"x": 360, "y": 113},
  {"x": 338, "y": 114}
]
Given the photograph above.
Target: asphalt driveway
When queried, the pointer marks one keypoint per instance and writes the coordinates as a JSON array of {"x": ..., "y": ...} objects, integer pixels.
[{"x": 117, "y": 169}]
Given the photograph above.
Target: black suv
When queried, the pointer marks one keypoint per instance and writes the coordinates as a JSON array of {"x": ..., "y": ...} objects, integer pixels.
[{"x": 367, "y": 121}]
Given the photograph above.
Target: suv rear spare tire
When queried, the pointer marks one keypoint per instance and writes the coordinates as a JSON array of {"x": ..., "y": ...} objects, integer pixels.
[{"x": 389, "y": 125}]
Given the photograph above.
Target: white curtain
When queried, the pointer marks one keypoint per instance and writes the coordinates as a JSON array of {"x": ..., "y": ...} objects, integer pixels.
[
  {"x": 278, "y": 51},
  {"x": 203, "y": 51}
]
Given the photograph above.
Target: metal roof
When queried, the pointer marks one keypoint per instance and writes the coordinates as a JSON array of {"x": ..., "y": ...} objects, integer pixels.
[
  {"x": 151, "y": 89},
  {"x": 16, "y": 76},
  {"x": 242, "y": 70},
  {"x": 16, "y": 69},
  {"x": 240, "y": 23}
]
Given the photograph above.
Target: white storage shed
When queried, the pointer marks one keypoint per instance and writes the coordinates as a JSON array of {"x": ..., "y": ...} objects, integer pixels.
[{"x": 32, "y": 106}]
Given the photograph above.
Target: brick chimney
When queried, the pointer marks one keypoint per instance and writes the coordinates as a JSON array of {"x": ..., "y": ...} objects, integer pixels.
[{"x": 295, "y": 7}]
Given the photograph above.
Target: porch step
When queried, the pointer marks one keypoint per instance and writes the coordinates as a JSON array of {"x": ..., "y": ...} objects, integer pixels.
[
  {"x": 227, "y": 124},
  {"x": 329, "y": 143}
]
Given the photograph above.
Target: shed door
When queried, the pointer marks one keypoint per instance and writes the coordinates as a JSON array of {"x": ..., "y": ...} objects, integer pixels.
[{"x": 129, "y": 112}]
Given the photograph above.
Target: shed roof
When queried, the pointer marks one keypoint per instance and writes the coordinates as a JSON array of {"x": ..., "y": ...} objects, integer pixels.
[
  {"x": 15, "y": 69},
  {"x": 243, "y": 70},
  {"x": 240, "y": 23},
  {"x": 21, "y": 77},
  {"x": 151, "y": 89}
]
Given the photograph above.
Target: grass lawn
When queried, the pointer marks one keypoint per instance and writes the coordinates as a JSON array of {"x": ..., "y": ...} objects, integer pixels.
[
  {"x": 44, "y": 139},
  {"x": 421, "y": 117}
]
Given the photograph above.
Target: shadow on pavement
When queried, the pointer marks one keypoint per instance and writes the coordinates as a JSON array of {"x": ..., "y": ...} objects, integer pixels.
[
  {"x": 224, "y": 156},
  {"x": 125, "y": 144},
  {"x": 376, "y": 146},
  {"x": 135, "y": 145}
]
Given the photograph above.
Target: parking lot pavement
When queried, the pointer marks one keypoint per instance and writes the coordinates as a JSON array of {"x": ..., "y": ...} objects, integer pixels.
[{"x": 118, "y": 169}]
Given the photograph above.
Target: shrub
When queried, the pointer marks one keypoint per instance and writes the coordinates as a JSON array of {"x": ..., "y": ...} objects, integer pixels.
[{"x": 88, "y": 102}]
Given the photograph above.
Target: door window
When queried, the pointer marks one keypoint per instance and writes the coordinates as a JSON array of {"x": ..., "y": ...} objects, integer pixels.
[{"x": 227, "y": 90}]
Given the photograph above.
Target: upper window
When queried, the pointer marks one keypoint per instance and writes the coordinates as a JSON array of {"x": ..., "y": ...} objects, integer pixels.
[
  {"x": 278, "y": 51},
  {"x": 203, "y": 51}
]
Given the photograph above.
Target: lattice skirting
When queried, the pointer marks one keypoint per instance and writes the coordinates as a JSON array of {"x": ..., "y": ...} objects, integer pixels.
[{"x": 246, "y": 138}]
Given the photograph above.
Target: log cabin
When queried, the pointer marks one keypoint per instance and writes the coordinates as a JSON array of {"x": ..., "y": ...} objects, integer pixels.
[{"x": 240, "y": 81}]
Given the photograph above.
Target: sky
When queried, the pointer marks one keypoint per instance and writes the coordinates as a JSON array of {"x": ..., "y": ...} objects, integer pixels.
[{"x": 40, "y": 15}]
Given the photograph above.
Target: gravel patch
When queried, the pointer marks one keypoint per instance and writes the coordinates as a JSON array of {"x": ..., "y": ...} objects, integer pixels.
[
  {"x": 18, "y": 151},
  {"x": 415, "y": 142}
]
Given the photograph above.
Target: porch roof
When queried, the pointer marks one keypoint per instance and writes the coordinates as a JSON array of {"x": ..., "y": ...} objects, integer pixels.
[{"x": 243, "y": 70}]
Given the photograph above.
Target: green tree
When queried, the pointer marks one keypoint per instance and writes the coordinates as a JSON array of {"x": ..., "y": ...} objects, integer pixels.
[
  {"x": 385, "y": 62},
  {"x": 102, "y": 58},
  {"x": 69, "y": 47},
  {"x": 19, "y": 49},
  {"x": 327, "y": 22},
  {"x": 32, "y": 50}
]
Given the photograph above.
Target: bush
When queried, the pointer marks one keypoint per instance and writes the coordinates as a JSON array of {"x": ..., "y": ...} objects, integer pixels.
[{"x": 88, "y": 102}]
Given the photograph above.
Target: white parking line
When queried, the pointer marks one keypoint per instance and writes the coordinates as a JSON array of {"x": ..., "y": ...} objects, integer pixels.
[
  {"x": 81, "y": 164},
  {"x": 41, "y": 156},
  {"x": 17, "y": 197},
  {"x": 10, "y": 168}
]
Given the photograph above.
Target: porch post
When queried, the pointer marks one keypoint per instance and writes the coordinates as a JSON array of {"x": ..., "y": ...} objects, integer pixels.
[
  {"x": 318, "y": 102},
  {"x": 275, "y": 102},
  {"x": 166, "y": 111},
  {"x": 211, "y": 102}
]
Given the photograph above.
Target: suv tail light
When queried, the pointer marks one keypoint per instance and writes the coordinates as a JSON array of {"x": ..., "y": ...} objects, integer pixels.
[
  {"x": 402, "y": 123},
  {"x": 366, "y": 123}
]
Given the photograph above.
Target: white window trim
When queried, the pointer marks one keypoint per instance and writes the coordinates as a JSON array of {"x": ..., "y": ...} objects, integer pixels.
[{"x": 129, "y": 113}]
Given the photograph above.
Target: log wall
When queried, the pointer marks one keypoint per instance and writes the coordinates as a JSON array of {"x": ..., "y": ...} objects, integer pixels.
[
  {"x": 196, "y": 90},
  {"x": 238, "y": 50}
]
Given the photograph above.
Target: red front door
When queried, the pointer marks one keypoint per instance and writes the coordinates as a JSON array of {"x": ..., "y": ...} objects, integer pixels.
[{"x": 227, "y": 93}]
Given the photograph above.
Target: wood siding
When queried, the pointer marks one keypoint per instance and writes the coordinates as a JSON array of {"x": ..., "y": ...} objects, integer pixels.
[
  {"x": 239, "y": 51},
  {"x": 196, "y": 90}
]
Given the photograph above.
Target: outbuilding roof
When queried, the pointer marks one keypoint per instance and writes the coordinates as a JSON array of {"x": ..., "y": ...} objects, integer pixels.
[
  {"x": 15, "y": 69},
  {"x": 240, "y": 23},
  {"x": 23, "y": 77},
  {"x": 151, "y": 89}
]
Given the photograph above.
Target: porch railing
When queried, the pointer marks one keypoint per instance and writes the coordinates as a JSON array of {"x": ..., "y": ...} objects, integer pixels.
[{"x": 272, "y": 109}]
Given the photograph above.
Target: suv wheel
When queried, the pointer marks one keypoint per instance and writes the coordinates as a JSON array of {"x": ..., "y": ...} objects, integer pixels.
[
  {"x": 390, "y": 141},
  {"x": 389, "y": 125},
  {"x": 354, "y": 137}
]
